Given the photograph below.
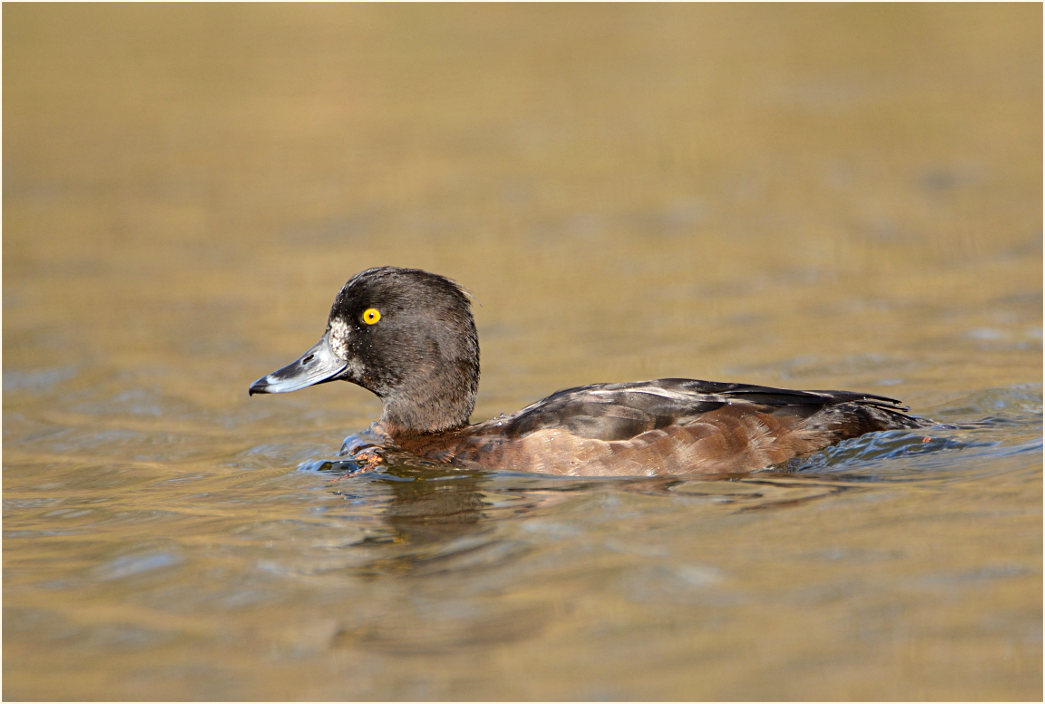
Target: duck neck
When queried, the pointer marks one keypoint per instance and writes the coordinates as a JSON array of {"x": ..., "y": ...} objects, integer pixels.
[{"x": 438, "y": 399}]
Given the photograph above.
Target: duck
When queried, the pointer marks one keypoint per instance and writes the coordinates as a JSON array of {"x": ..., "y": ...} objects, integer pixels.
[{"x": 408, "y": 336}]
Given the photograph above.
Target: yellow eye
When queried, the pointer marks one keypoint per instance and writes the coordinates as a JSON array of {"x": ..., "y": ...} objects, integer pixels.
[{"x": 371, "y": 316}]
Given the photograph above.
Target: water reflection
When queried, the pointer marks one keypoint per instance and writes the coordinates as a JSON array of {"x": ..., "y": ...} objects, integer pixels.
[{"x": 432, "y": 505}]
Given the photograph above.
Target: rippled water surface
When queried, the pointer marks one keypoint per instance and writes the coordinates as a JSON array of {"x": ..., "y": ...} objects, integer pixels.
[{"x": 808, "y": 196}]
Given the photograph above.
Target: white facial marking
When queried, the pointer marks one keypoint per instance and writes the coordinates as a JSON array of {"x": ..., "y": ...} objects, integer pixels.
[{"x": 339, "y": 332}]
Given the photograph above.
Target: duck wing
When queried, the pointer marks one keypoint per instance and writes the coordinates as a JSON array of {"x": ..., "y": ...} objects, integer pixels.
[{"x": 621, "y": 411}]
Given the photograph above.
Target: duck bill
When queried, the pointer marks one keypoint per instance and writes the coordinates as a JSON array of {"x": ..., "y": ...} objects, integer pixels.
[{"x": 318, "y": 365}]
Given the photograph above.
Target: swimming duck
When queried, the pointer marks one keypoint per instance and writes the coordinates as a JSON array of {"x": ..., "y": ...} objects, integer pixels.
[{"x": 409, "y": 337}]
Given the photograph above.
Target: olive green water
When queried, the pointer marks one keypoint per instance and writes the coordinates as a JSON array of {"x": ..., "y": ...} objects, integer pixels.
[{"x": 810, "y": 196}]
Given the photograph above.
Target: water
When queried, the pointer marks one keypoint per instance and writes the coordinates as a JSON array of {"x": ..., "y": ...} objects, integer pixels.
[{"x": 817, "y": 197}]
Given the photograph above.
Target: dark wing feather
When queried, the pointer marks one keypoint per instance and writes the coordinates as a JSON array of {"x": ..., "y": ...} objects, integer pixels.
[{"x": 622, "y": 411}]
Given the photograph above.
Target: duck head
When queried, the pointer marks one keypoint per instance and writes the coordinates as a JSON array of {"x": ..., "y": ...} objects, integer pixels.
[{"x": 404, "y": 334}]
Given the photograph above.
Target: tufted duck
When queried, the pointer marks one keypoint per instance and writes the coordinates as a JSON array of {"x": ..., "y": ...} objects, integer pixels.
[{"x": 409, "y": 337}]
